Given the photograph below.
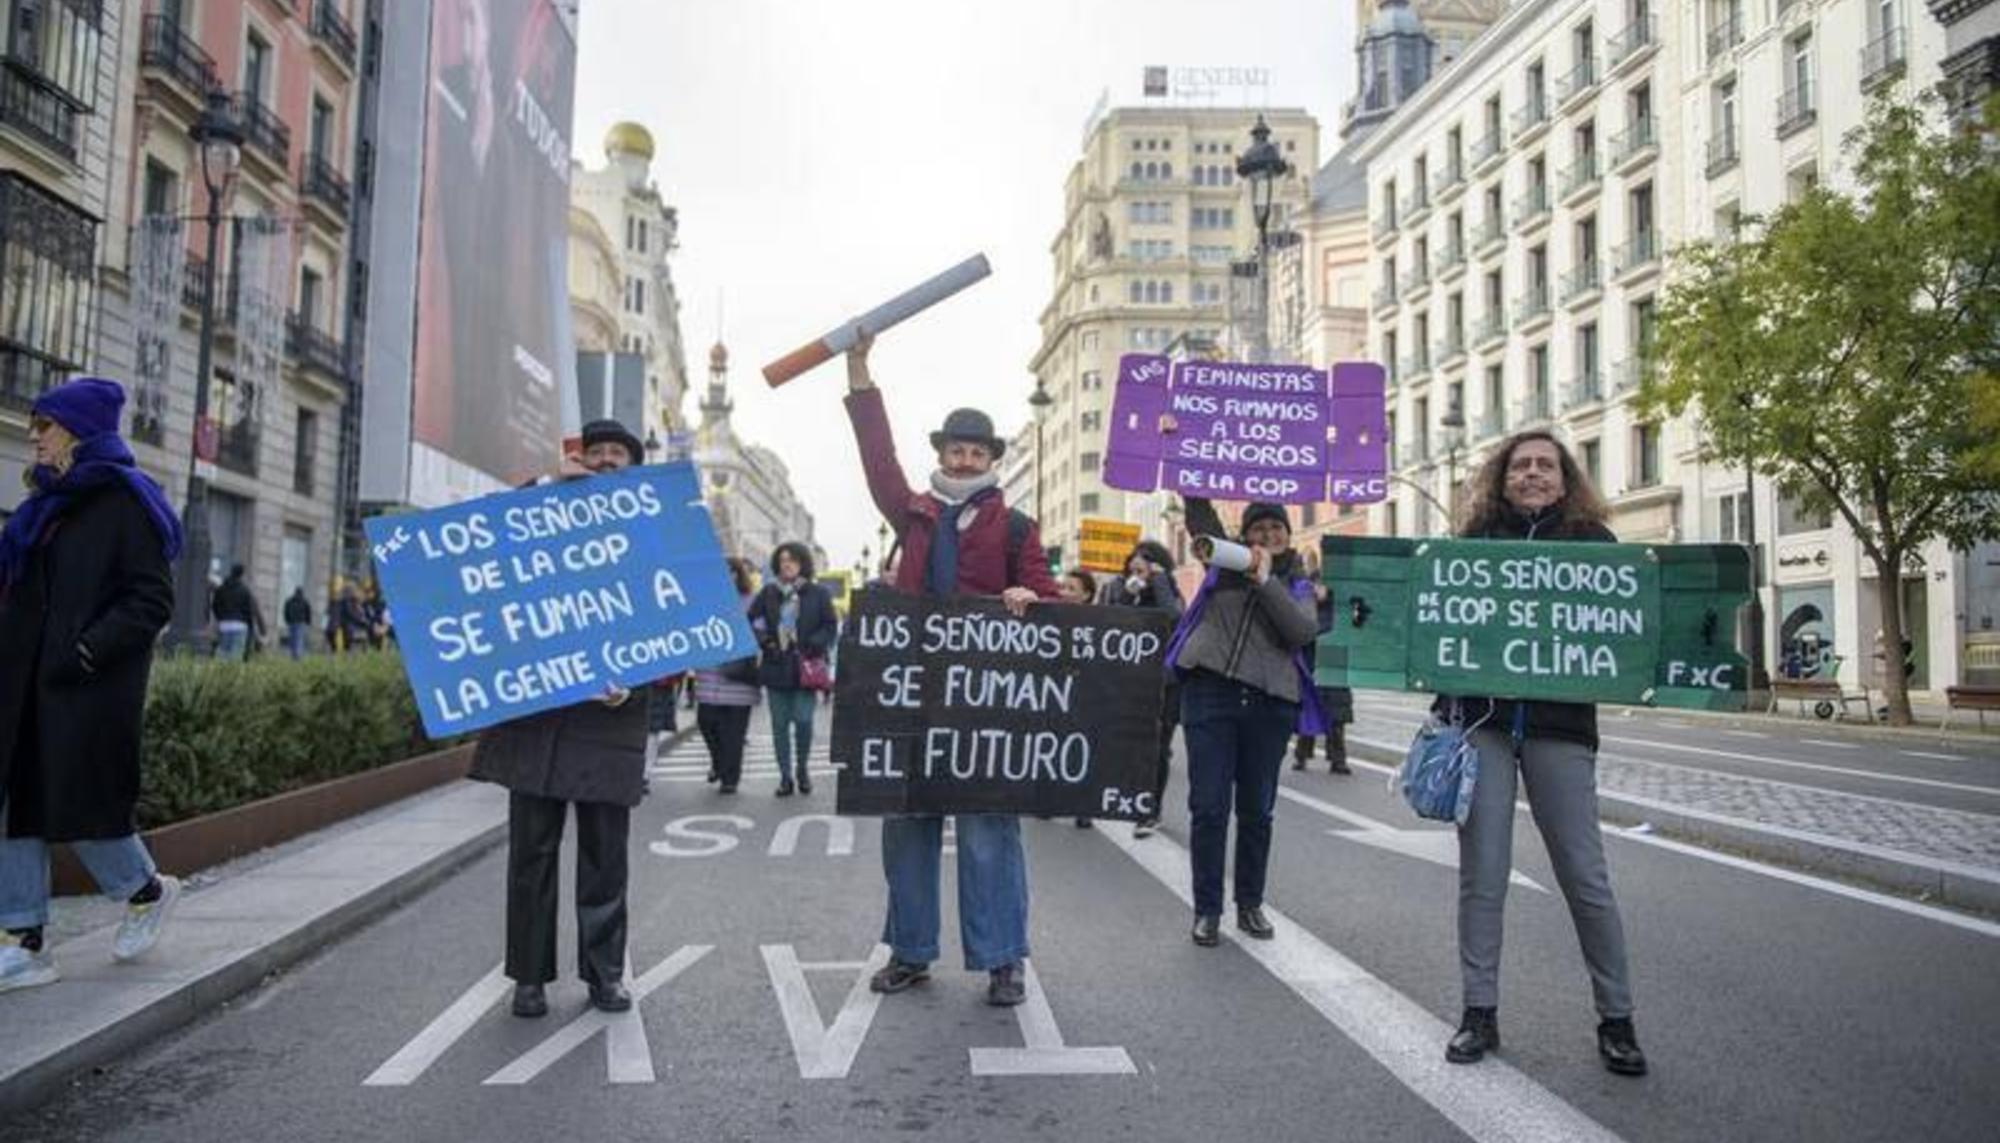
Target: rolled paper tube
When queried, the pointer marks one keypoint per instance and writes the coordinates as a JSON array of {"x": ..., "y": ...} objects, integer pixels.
[{"x": 885, "y": 316}]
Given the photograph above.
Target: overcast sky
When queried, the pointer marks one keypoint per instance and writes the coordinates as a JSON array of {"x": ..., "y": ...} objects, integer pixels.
[{"x": 826, "y": 154}]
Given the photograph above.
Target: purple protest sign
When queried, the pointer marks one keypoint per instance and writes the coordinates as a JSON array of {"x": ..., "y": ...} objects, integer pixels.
[{"x": 1232, "y": 431}]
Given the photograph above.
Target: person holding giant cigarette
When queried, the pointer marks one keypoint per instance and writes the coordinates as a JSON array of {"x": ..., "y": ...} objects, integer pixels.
[
  {"x": 957, "y": 536},
  {"x": 1240, "y": 655}
]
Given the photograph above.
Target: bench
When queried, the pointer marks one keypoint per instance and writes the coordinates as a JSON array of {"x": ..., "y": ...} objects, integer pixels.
[
  {"x": 1980, "y": 699},
  {"x": 1819, "y": 691}
]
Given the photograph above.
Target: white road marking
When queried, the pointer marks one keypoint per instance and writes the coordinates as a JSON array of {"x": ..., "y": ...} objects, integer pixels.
[
  {"x": 617, "y": 1063},
  {"x": 697, "y": 841},
  {"x": 839, "y": 835},
  {"x": 1492, "y": 1101},
  {"x": 1939, "y": 757},
  {"x": 823, "y": 1052},
  {"x": 1045, "y": 1053},
  {"x": 1824, "y": 742},
  {"x": 1838, "y": 889},
  {"x": 628, "y": 1058},
  {"x": 1745, "y": 734},
  {"x": 1437, "y": 846},
  {"x": 427, "y": 1046}
]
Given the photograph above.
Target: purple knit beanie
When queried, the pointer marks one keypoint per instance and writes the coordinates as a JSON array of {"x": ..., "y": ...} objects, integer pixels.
[{"x": 86, "y": 406}]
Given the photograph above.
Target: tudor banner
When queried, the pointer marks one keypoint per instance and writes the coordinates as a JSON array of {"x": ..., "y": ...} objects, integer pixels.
[
  {"x": 1564, "y": 622},
  {"x": 951, "y": 705}
]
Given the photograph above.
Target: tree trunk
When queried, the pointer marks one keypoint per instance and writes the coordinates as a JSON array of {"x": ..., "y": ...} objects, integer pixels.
[{"x": 1889, "y": 599}]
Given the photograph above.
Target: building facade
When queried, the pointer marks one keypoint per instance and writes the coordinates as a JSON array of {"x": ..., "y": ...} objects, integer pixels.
[
  {"x": 747, "y": 488},
  {"x": 1971, "y": 65},
  {"x": 643, "y": 231},
  {"x": 1154, "y": 216}
]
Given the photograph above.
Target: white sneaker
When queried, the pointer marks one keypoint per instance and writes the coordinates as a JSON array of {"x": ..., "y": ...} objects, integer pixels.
[
  {"x": 20, "y": 968},
  {"x": 140, "y": 930}
]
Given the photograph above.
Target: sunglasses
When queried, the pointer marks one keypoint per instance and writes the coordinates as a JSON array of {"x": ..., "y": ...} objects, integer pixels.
[{"x": 40, "y": 424}]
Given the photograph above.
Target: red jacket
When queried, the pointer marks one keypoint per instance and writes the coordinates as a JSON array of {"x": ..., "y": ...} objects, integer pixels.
[{"x": 982, "y": 546}]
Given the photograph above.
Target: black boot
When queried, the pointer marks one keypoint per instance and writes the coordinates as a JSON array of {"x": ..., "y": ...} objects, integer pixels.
[
  {"x": 1619, "y": 1045},
  {"x": 1302, "y": 751},
  {"x": 530, "y": 1001},
  {"x": 1478, "y": 1034},
  {"x": 1336, "y": 750}
]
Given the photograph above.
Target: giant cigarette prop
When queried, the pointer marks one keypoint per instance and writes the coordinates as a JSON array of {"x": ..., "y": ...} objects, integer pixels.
[{"x": 904, "y": 305}]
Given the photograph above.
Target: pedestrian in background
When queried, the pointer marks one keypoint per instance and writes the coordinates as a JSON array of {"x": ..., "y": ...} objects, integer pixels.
[
  {"x": 1149, "y": 583},
  {"x": 1531, "y": 488},
  {"x": 726, "y": 693},
  {"x": 591, "y": 755},
  {"x": 957, "y": 536},
  {"x": 1336, "y": 704},
  {"x": 85, "y": 587},
  {"x": 347, "y": 620},
  {"x": 1240, "y": 654},
  {"x": 298, "y": 621},
  {"x": 1077, "y": 585},
  {"x": 797, "y": 630},
  {"x": 238, "y": 619}
]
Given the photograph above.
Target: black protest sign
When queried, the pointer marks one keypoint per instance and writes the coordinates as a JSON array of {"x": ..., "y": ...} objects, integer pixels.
[{"x": 951, "y": 705}]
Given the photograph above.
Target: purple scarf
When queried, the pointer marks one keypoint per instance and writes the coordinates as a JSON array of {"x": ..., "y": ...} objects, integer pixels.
[
  {"x": 1312, "y": 717},
  {"x": 98, "y": 461}
]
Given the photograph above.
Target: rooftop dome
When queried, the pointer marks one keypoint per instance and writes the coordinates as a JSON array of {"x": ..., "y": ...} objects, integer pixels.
[
  {"x": 1396, "y": 18},
  {"x": 628, "y": 139},
  {"x": 718, "y": 358}
]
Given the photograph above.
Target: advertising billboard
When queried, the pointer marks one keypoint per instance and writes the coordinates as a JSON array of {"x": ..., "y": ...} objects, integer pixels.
[{"x": 493, "y": 345}]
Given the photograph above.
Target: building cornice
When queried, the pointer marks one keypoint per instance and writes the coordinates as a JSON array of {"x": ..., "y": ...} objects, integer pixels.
[{"x": 1949, "y": 12}]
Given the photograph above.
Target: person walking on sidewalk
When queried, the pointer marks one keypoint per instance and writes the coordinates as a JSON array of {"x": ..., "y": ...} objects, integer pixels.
[
  {"x": 85, "y": 588},
  {"x": 1149, "y": 583},
  {"x": 1531, "y": 488},
  {"x": 959, "y": 536},
  {"x": 592, "y": 755},
  {"x": 1336, "y": 704},
  {"x": 238, "y": 620},
  {"x": 1079, "y": 586},
  {"x": 726, "y": 693},
  {"x": 1239, "y": 651},
  {"x": 794, "y": 619},
  {"x": 298, "y": 621}
]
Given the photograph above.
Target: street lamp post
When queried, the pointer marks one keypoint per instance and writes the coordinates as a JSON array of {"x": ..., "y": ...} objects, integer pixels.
[
  {"x": 1039, "y": 401},
  {"x": 218, "y": 139},
  {"x": 1453, "y": 424},
  {"x": 1261, "y": 166}
]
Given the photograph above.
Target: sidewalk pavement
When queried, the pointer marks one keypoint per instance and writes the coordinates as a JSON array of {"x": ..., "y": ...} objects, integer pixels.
[{"x": 1925, "y": 714}]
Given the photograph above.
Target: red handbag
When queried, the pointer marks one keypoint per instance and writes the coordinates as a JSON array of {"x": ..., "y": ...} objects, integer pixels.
[{"x": 814, "y": 673}]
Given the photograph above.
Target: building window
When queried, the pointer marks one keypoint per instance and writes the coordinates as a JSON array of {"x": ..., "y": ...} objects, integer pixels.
[
  {"x": 1090, "y": 421},
  {"x": 311, "y": 289},
  {"x": 1087, "y": 502},
  {"x": 1794, "y": 519},
  {"x": 48, "y": 288},
  {"x": 1733, "y": 519},
  {"x": 1645, "y": 456},
  {"x": 50, "y": 75},
  {"x": 1389, "y": 517},
  {"x": 1593, "y": 462},
  {"x": 319, "y": 132},
  {"x": 635, "y": 295},
  {"x": 256, "y": 68},
  {"x": 1538, "y": 382},
  {"x": 162, "y": 191},
  {"x": 1089, "y": 462},
  {"x": 1091, "y": 381},
  {"x": 305, "y": 452},
  {"x": 1087, "y": 343}
]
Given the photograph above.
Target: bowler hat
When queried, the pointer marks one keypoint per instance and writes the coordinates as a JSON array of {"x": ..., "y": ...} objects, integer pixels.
[
  {"x": 609, "y": 430},
  {"x": 969, "y": 425}
]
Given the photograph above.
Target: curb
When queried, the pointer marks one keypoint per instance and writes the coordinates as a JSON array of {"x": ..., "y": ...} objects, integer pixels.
[
  {"x": 1952, "y": 884},
  {"x": 1920, "y": 731}
]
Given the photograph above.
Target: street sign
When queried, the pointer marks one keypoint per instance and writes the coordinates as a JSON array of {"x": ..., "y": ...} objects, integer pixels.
[
  {"x": 1563, "y": 622},
  {"x": 1105, "y": 544}
]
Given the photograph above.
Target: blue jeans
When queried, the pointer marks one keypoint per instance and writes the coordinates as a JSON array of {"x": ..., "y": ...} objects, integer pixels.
[
  {"x": 992, "y": 889},
  {"x": 295, "y": 640},
  {"x": 1236, "y": 737},
  {"x": 792, "y": 720},
  {"x": 120, "y": 866},
  {"x": 232, "y": 636}
]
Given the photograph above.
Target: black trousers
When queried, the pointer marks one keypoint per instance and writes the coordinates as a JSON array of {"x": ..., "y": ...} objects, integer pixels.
[
  {"x": 534, "y": 850},
  {"x": 724, "y": 729},
  {"x": 1170, "y": 720}
]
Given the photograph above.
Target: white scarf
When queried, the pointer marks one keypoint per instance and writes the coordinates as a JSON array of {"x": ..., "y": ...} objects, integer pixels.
[{"x": 957, "y": 489}]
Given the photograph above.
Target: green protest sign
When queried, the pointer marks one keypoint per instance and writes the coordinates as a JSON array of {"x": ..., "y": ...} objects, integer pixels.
[{"x": 1633, "y": 623}]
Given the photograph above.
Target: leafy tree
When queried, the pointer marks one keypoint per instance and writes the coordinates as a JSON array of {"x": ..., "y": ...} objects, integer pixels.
[{"x": 1845, "y": 346}]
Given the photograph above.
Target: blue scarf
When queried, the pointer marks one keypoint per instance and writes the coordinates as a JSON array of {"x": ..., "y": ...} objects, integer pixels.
[
  {"x": 941, "y": 572},
  {"x": 98, "y": 461}
]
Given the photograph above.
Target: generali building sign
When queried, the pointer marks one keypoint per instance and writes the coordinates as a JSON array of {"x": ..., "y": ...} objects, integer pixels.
[{"x": 1204, "y": 83}]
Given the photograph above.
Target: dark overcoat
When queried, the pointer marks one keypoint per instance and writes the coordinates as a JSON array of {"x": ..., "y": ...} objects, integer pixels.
[
  {"x": 69, "y": 738},
  {"x": 778, "y": 669},
  {"x": 583, "y": 753}
]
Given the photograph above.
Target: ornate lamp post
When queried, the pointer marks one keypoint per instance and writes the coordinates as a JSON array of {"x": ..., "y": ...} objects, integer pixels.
[
  {"x": 1261, "y": 166},
  {"x": 1453, "y": 424},
  {"x": 218, "y": 138}
]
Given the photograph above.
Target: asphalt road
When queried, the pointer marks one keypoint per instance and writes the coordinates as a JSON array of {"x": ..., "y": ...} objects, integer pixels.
[{"x": 1773, "y": 1007}]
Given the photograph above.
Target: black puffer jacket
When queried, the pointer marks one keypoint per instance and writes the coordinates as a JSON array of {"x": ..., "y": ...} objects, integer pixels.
[{"x": 1568, "y": 721}]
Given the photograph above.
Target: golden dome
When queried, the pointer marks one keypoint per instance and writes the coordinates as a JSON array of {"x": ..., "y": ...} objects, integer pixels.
[
  {"x": 718, "y": 358},
  {"x": 630, "y": 139}
]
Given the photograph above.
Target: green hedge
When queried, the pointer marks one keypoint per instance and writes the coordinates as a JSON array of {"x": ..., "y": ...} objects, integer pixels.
[{"x": 221, "y": 734}]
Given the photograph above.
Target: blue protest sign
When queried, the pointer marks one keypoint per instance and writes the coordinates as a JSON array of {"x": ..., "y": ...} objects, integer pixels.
[{"x": 536, "y": 599}]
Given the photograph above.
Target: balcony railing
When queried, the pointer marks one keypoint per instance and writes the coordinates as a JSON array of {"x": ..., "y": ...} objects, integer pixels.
[
  {"x": 1634, "y": 38},
  {"x": 1629, "y": 374},
  {"x": 1487, "y": 146},
  {"x": 1585, "y": 389},
  {"x": 1580, "y": 176},
  {"x": 1416, "y": 206},
  {"x": 225, "y": 290},
  {"x": 1531, "y": 208},
  {"x": 33, "y": 104},
  {"x": 1642, "y": 250},
  {"x": 1385, "y": 225},
  {"x": 320, "y": 181},
  {"x": 236, "y": 450},
  {"x": 1723, "y": 37},
  {"x": 1581, "y": 79},
  {"x": 1722, "y": 153},
  {"x": 1452, "y": 257},
  {"x": 1447, "y": 180},
  {"x": 1532, "y": 409},
  {"x": 1416, "y": 280},
  {"x": 1796, "y": 110},
  {"x": 1491, "y": 328},
  {"x": 1531, "y": 115},
  {"x": 1531, "y": 306},
  {"x": 1490, "y": 423},
  {"x": 1632, "y": 142},
  {"x": 313, "y": 347},
  {"x": 1413, "y": 368},
  {"x": 1883, "y": 58},
  {"x": 1581, "y": 280},
  {"x": 1449, "y": 351},
  {"x": 262, "y": 129},
  {"x": 163, "y": 46},
  {"x": 332, "y": 29},
  {"x": 1386, "y": 296},
  {"x": 1492, "y": 232}
]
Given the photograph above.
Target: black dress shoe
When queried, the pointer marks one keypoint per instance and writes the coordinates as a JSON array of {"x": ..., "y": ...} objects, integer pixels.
[
  {"x": 805, "y": 783},
  {"x": 610, "y": 997},
  {"x": 1005, "y": 988},
  {"x": 1207, "y": 931},
  {"x": 1252, "y": 921},
  {"x": 784, "y": 787},
  {"x": 1619, "y": 1045},
  {"x": 1478, "y": 1034},
  {"x": 530, "y": 1001}
]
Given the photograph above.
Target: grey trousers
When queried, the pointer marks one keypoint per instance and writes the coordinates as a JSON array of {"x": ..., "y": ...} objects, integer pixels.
[{"x": 1562, "y": 791}]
